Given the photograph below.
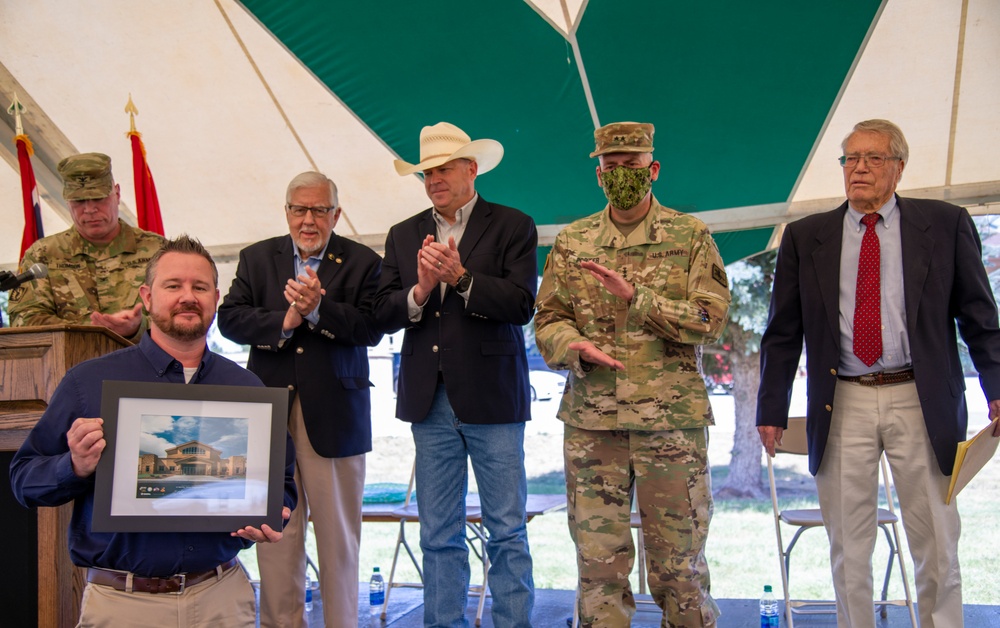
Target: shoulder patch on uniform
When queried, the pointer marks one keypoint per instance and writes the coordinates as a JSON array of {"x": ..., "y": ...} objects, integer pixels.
[{"x": 719, "y": 274}]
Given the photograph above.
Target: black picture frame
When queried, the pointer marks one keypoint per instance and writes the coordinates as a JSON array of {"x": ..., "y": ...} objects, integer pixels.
[{"x": 193, "y": 489}]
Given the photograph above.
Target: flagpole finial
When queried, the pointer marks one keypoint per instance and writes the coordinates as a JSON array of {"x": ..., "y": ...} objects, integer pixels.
[
  {"x": 132, "y": 112},
  {"x": 16, "y": 109}
]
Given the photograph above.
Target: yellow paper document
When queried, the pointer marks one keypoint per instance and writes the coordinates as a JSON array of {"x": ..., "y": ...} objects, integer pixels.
[{"x": 973, "y": 454}]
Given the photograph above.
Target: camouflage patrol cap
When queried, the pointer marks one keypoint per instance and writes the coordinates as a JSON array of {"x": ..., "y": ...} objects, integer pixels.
[
  {"x": 86, "y": 176},
  {"x": 623, "y": 137}
]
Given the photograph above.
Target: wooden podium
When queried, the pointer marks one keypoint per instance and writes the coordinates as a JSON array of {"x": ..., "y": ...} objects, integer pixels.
[{"x": 33, "y": 360}]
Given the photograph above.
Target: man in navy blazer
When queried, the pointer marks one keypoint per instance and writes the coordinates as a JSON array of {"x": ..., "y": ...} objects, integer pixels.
[
  {"x": 909, "y": 401},
  {"x": 303, "y": 304},
  {"x": 461, "y": 279}
]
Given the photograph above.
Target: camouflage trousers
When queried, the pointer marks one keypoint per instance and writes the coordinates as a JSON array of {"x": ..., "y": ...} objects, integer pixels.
[{"x": 667, "y": 471}]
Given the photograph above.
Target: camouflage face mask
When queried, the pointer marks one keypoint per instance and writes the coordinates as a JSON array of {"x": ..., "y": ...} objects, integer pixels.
[{"x": 625, "y": 187}]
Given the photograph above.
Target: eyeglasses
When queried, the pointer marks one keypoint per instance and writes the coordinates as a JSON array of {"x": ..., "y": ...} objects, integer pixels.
[
  {"x": 875, "y": 161},
  {"x": 300, "y": 210}
]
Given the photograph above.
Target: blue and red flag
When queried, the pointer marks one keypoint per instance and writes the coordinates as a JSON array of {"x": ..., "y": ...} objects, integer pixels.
[{"x": 29, "y": 194}]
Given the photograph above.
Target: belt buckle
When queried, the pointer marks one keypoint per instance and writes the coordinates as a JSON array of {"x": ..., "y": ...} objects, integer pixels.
[
  {"x": 181, "y": 583},
  {"x": 871, "y": 379}
]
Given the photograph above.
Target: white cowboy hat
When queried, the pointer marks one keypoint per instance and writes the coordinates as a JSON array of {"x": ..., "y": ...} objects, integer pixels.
[{"x": 444, "y": 142}]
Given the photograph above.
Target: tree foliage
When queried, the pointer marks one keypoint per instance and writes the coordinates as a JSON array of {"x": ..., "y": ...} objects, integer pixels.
[{"x": 750, "y": 284}]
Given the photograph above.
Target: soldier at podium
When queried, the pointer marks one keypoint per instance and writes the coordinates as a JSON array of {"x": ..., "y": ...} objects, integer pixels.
[
  {"x": 162, "y": 578},
  {"x": 95, "y": 267}
]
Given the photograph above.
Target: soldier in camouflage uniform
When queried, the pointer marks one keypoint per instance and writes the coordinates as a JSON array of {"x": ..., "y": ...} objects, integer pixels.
[
  {"x": 96, "y": 267},
  {"x": 627, "y": 297}
]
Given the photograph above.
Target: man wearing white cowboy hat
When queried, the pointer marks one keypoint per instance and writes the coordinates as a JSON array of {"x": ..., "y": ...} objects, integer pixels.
[{"x": 460, "y": 277}]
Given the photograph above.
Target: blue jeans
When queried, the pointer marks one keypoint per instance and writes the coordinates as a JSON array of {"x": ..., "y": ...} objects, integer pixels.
[{"x": 444, "y": 444}]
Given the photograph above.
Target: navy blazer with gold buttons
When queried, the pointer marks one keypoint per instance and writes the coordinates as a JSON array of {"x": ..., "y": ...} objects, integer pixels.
[
  {"x": 944, "y": 283},
  {"x": 326, "y": 363}
]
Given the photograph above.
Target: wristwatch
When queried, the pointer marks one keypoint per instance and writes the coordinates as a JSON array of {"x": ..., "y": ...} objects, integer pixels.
[{"x": 464, "y": 282}]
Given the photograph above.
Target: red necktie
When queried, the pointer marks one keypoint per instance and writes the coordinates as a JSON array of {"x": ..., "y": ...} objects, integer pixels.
[{"x": 868, "y": 304}]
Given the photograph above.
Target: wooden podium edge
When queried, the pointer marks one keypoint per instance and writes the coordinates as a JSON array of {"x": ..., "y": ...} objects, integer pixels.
[
  {"x": 60, "y": 582},
  {"x": 89, "y": 329}
]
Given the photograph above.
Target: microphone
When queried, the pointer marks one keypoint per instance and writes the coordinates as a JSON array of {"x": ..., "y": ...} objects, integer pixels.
[{"x": 9, "y": 281}]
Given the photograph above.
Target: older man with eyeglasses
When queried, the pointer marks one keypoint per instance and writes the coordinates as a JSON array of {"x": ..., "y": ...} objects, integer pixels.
[
  {"x": 875, "y": 288},
  {"x": 303, "y": 302}
]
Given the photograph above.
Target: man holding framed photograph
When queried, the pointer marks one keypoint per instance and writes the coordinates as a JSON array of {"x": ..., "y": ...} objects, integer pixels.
[{"x": 130, "y": 574}]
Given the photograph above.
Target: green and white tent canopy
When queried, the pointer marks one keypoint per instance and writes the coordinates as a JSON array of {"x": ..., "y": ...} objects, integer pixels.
[{"x": 750, "y": 103}]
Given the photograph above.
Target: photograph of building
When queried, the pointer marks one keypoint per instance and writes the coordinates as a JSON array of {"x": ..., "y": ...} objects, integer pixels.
[
  {"x": 191, "y": 458},
  {"x": 195, "y": 457}
]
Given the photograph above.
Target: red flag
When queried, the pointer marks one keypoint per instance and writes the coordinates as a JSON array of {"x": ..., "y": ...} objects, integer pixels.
[
  {"x": 147, "y": 206},
  {"x": 29, "y": 193}
]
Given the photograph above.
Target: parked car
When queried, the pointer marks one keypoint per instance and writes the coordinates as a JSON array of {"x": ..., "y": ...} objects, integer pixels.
[
  {"x": 536, "y": 363},
  {"x": 546, "y": 385}
]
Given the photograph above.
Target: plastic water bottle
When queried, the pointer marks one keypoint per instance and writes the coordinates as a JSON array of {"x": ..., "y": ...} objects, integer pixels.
[
  {"x": 309, "y": 594},
  {"x": 768, "y": 609},
  {"x": 376, "y": 593}
]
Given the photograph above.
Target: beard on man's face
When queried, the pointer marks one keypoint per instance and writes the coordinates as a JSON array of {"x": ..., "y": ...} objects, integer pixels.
[
  {"x": 181, "y": 330},
  {"x": 306, "y": 248}
]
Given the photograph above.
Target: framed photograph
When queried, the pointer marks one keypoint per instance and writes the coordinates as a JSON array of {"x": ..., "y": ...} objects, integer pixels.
[{"x": 191, "y": 458}]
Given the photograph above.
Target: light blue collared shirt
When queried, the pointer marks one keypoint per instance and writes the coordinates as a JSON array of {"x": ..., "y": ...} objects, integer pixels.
[
  {"x": 300, "y": 269},
  {"x": 895, "y": 343}
]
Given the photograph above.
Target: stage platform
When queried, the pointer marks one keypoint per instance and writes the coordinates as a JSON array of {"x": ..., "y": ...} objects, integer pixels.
[{"x": 554, "y": 607}]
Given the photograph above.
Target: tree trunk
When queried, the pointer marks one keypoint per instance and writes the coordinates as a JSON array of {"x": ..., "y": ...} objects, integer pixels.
[{"x": 745, "y": 479}]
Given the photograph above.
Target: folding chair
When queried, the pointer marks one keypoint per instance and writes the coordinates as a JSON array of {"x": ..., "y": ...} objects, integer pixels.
[
  {"x": 794, "y": 442},
  {"x": 473, "y": 522}
]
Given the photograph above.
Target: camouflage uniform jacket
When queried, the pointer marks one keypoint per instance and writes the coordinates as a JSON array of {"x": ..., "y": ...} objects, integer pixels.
[
  {"x": 83, "y": 277},
  {"x": 681, "y": 301}
]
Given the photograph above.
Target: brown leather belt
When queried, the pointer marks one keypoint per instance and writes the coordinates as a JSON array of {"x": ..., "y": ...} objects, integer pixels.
[
  {"x": 173, "y": 584},
  {"x": 879, "y": 379}
]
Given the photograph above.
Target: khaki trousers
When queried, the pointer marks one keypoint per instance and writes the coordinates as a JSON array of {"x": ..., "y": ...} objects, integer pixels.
[
  {"x": 865, "y": 421},
  {"x": 226, "y": 602},
  {"x": 330, "y": 492}
]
